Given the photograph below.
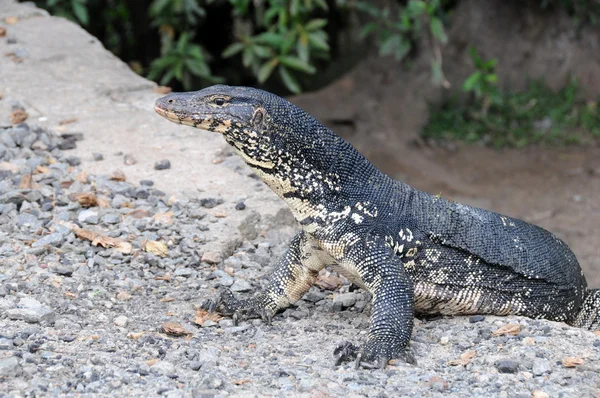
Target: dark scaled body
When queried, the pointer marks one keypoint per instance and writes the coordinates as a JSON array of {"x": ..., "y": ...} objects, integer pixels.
[{"x": 412, "y": 251}]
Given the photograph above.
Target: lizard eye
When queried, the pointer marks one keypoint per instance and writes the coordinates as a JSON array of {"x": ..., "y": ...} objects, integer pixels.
[{"x": 219, "y": 101}]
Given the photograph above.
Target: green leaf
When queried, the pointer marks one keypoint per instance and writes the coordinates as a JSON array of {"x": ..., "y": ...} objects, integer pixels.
[
  {"x": 262, "y": 51},
  {"x": 297, "y": 64},
  {"x": 266, "y": 70},
  {"x": 368, "y": 28},
  {"x": 167, "y": 77},
  {"x": 472, "y": 81},
  {"x": 197, "y": 68},
  {"x": 294, "y": 7},
  {"x": 387, "y": 46},
  {"x": 247, "y": 57},
  {"x": 315, "y": 24},
  {"x": 81, "y": 12},
  {"x": 289, "y": 81},
  {"x": 437, "y": 75},
  {"x": 271, "y": 39},
  {"x": 302, "y": 47},
  {"x": 437, "y": 30},
  {"x": 318, "y": 41},
  {"x": 232, "y": 50},
  {"x": 491, "y": 78},
  {"x": 322, "y": 4},
  {"x": 416, "y": 8}
]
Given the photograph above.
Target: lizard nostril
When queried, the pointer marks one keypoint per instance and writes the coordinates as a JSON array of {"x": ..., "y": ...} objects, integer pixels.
[{"x": 170, "y": 101}]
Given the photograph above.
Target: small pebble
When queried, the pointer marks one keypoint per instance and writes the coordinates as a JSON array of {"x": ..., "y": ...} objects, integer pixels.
[
  {"x": 163, "y": 164},
  {"x": 97, "y": 156}
]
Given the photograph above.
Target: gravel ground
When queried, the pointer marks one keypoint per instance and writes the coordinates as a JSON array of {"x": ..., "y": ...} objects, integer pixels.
[{"x": 101, "y": 282}]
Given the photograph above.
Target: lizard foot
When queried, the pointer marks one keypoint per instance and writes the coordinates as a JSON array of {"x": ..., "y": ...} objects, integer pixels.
[
  {"x": 227, "y": 304},
  {"x": 375, "y": 354}
]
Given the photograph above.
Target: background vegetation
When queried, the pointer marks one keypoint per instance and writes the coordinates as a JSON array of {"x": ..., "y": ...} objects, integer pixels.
[{"x": 281, "y": 44}]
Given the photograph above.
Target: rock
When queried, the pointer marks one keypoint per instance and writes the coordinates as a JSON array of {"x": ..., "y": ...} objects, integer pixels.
[
  {"x": 121, "y": 321},
  {"x": 346, "y": 299},
  {"x": 507, "y": 366},
  {"x": 240, "y": 206},
  {"x": 212, "y": 257},
  {"x": 88, "y": 216},
  {"x": 185, "y": 272},
  {"x": 128, "y": 160},
  {"x": 30, "y": 310},
  {"x": 165, "y": 368},
  {"x": 5, "y": 344},
  {"x": 29, "y": 220},
  {"x": 73, "y": 160},
  {"x": 541, "y": 366},
  {"x": 476, "y": 318},
  {"x": 147, "y": 183},
  {"x": 209, "y": 203},
  {"x": 9, "y": 367},
  {"x": 54, "y": 239},
  {"x": 163, "y": 164},
  {"x": 195, "y": 365},
  {"x": 241, "y": 285},
  {"x": 97, "y": 156},
  {"x": 111, "y": 218},
  {"x": 444, "y": 340}
]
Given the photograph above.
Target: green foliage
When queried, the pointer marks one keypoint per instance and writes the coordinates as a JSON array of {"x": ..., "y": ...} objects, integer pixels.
[
  {"x": 538, "y": 115},
  {"x": 181, "y": 60},
  {"x": 289, "y": 40},
  {"x": 398, "y": 33},
  {"x": 483, "y": 83},
  {"x": 75, "y": 10}
]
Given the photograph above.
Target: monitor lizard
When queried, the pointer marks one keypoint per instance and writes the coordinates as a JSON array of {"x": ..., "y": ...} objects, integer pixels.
[{"x": 414, "y": 252}]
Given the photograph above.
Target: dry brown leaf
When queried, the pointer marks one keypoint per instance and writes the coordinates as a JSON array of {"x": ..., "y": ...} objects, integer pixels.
[
  {"x": 241, "y": 382},
  {"x": 139, "y": 213},
  {"x": 163, "y": 218},
  {"x": 95, "y": 337},
  {"x": 539, "y": 394},
  {"x": 174, "y": 329},
  {"x": 2, "y": 34},
  {"x": 162, "y": 89},
  {"x": 41, "y": 170},
  {"x": 104, "y": 241},
  {"x": 13, "y": 168},
  {"x": 156, "y": 247},
  {"x": 118, "y": 175},
  {"x": 11, "y": 20},
  {"x": 70, "y": 295},
  {"x": 220, "y": 214},
  {"x": 135, "y": 336},
  {"x": 597, "y": 332},
  {"x": 465, "y": 358},
  {"x": 203, "y": 316},
  {"x": 167, "y": 299},
  {"x": 151, "y": 362},
  {"x": 68, "y": 121},
  {"x": 26, "y": 182},
  {"x": 85, "y": 199},
  {"x": 571, "y": 362},
  {"x": 512, "y": 329},
  {"x": 328, "y": 282},
  {"x": 66, "y": 184},
  {"x": 103, "y": 202},
  {"x": 18, "y": 116},
  {"x": 165, "y": 277},
  {"x": 124, "y": 296},
  {"x": 170, "y": 313}
]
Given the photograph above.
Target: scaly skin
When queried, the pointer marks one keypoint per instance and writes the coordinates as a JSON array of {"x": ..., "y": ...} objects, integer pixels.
[{"x": 412, "y": 251}]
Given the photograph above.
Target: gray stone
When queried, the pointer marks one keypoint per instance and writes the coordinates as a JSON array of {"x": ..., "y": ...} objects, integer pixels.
[
  {"x": 541, "y": 366},
  {"x": 164, "y": 368},
  {"x": 29, "y": 220},
  {"x": 9, "y": 367},
  {"x": 30, "y": 310},
  {"x": 241, "y": 285},
  {"x": 97, "y": 156},
  {"x": 163, "y": 164},
  {"x": 88, "y": 216},
  {"x": 54, "y": 239},
  {"x": 111, "y": 218},
  {"x": 346, "y": 299},
  {"x": 6, "y": 344},
  {"x": 185, "y": 272},
  {"x": 121, "y": 321},
  {"x": 507, "y": 366}
]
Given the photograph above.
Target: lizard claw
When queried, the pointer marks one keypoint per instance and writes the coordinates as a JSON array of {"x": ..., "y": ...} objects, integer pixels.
[{"x": 345, "y": 352}]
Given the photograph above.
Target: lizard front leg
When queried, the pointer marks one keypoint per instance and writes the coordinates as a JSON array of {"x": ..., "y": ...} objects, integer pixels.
[
  {"x": 383, "y": 274},
  {"x": 294, "y": 275}
]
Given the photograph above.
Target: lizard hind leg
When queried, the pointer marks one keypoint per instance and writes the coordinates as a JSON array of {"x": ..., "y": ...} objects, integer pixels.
[{"x": 589, "y": 314}]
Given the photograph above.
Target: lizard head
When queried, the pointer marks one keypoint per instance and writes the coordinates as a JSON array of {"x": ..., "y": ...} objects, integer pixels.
[
  {"x": 241, "y": 114},
  {"x": 290, "y": 150}
]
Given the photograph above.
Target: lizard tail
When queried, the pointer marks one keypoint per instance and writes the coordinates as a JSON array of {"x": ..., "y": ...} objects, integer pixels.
[{"x": 589, "y": 315}]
